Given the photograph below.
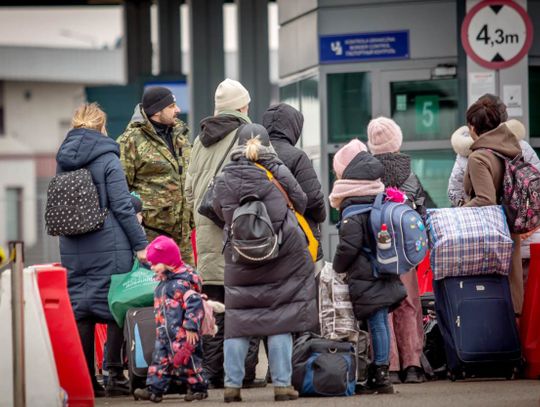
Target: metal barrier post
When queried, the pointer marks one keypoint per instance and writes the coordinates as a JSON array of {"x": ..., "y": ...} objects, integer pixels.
[{"x": 17, "y": 323}]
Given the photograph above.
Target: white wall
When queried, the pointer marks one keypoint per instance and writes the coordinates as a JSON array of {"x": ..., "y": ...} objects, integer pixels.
[
  {"x": 19, "y": 173},
  {"x": 39, "y": 114}
]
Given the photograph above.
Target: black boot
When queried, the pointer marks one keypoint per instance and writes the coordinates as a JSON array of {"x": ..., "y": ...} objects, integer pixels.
[
  {"x": 378, "y": 381},
  {"x": 99, "y": 390},
  {"x": 117, "y": 384},
  {"x": 146, "y": 394}
]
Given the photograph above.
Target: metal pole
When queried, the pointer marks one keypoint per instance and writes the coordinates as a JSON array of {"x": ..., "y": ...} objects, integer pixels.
[{"x": 17, "y": 324}]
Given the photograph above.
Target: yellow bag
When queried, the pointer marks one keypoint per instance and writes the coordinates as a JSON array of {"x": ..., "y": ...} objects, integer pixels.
[{"x": 313, "y": 244}]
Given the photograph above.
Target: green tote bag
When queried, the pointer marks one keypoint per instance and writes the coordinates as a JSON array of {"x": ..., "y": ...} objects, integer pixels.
[{"x": 131, "y": 290}]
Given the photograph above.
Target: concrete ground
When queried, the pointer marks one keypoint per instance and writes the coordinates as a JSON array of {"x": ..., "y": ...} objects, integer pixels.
[{"x": 493, "y": 393}]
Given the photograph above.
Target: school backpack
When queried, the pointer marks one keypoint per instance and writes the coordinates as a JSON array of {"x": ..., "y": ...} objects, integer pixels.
[
  {"x": 73, "y": 204},
  {"x": 323, "y": 367},
  {"x": 251, "y": 233},
  {"x": 208, "y": 324},
  {"x": 336, "y": 316},
  {"x": 408, "y": 243},
  {"x": 521, "y": 194}
]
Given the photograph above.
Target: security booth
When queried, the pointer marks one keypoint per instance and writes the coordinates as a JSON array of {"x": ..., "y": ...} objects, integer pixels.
[{"x": 343, "y": 63}]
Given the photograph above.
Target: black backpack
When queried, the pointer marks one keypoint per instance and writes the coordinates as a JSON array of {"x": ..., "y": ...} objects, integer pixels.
[
  {"x": 73, "y": 205},
  {"x": 251, "y": 234}
]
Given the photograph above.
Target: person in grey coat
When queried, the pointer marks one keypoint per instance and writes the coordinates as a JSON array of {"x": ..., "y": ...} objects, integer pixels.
[
  {"x": 92, "y": 258},
  {"x": 272, "y": 298}
]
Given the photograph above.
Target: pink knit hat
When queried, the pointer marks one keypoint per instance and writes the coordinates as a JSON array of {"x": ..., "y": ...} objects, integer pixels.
[
  {"x": 384, "y": 136},
  {"x": 164, "y": 250},
  {"x": 345, "y": 155}
]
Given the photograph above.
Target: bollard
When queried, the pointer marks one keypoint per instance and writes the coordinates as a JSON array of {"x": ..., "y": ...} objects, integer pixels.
[
  {"x": 529, "y": 322},
  {"x": 17, "y": 323}
]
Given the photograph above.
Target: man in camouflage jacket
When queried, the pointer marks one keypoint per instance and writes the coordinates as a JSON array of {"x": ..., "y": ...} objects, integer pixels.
[{"x": 155, "y": 151}]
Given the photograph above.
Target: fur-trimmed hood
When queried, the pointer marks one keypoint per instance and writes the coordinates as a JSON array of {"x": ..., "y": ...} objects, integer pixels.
[{"x": 461, "y": 140}]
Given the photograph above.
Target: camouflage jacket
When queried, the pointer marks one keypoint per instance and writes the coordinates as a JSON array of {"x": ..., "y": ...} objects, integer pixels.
[{"x": 159, "y": 178}]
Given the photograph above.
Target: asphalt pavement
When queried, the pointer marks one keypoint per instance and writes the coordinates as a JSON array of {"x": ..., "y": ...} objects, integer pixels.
[{"x": 473, "y": 393}]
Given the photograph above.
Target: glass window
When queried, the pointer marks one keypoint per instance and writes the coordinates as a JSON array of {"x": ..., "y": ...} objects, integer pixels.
[
  {"x": 349, "y": 106},
  {"x": 14, "y": 214},
  {"x": 534, "y": 100},
  {"x": 425, "y": 110},
  {"x": 289, "y": 94},
  {"x": 433, "y": 168},
  {"x": 309, "y": 106}
]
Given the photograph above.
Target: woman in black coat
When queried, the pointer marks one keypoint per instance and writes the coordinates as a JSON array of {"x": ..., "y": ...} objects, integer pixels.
[
  {"x": 92, "y": 258},
  {"x": 276, "y": 297},
  {"x": 284, "y": 125},
  {"x": 358, "y": 182}
]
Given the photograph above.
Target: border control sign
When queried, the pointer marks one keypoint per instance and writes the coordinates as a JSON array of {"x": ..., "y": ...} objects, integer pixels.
[{"x": 497, "y": 34}]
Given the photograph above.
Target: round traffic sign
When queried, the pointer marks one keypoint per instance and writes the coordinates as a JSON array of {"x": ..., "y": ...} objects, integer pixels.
[{"x": 497, "y": 34}]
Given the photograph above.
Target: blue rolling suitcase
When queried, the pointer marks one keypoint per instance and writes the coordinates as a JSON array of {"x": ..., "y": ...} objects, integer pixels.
[{"x": 478, "y": 326}]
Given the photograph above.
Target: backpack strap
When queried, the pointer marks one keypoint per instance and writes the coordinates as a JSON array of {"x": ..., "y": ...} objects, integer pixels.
[
  {"x": 352, "y": 210},
  {"x": 274, "y": 181}
]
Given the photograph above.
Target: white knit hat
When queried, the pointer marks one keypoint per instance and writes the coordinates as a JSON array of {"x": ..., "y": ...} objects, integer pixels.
[
  {"x": 384, "y": 136},
  {"x": 230, "y": 95}
]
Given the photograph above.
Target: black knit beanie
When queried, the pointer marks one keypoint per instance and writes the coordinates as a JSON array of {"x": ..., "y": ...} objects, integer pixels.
[{"x": 156, "y": 99}]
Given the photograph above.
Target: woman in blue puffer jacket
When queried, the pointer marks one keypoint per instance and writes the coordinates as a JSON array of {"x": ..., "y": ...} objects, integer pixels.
[{"x": 92, "y": 258}]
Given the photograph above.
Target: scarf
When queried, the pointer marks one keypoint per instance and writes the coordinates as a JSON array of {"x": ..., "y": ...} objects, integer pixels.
[{"x": 346, "y": 188}]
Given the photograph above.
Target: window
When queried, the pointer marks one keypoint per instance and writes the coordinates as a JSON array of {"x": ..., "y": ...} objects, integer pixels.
[
  {"x": 433, "y": 168},
  {"x": 14, "y": 209},
  {"x": 425, "y": 110},
  {"x": 349, "y": 106},
  {"x": 289, "y": 94}
]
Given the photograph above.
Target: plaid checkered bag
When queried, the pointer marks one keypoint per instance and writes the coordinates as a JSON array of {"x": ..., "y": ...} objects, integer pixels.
[{"x": 469, "y": 241}]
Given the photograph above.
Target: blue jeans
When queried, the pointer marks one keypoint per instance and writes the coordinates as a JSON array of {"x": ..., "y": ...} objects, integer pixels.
[
  {"x": 279, "y": 359},
  {"x": 380, "y": 336}
]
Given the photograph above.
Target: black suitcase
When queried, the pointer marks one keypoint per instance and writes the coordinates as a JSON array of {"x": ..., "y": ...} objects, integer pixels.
[
  {"x": 140, "y": 334},
  {"x": 476, "y": 319}
]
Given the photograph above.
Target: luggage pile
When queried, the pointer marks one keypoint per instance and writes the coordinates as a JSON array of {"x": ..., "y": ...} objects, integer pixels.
[
  {"x": 331, "y": 364},
  {"x": 471, "y": 252}
]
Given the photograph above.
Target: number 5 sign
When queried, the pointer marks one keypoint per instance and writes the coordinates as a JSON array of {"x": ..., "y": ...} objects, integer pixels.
[{"x": 497, "y": 34}]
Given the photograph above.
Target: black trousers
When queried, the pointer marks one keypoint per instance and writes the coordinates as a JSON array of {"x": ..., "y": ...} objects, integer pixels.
[
  {"x": 213, "y": 347},
  {"x": 115, "y": 340}
]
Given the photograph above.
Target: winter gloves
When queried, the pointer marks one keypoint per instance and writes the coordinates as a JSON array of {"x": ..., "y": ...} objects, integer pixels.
[{"x": 181, "y": 358}]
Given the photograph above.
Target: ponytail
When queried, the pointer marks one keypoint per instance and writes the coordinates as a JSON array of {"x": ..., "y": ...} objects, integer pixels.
[
  {"x": 252, "y": 148},
  {"x": 89, "y": 116}
]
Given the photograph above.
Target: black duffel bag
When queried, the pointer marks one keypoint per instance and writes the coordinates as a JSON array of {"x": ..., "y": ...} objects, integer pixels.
[{"x": 323, "y": 367}]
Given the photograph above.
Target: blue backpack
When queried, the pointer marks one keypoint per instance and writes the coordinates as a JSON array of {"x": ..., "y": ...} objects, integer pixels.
[{"x": 409, "y": 243}]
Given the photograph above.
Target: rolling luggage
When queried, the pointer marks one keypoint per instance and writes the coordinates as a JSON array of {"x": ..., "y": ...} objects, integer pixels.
[
  {"x": 477, "y": 322},
  {"x": 140, "y": 334}
]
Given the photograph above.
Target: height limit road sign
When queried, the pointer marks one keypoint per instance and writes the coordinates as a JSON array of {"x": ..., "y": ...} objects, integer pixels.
[{"x": 497, "y": 34}]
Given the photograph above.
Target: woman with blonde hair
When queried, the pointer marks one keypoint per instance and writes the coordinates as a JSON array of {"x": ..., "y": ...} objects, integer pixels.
[
  {"x": 92, "y": 258},
  {"x": 274, "y": 297}
]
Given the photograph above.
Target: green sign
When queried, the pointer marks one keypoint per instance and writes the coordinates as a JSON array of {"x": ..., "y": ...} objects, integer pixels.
[{"x": 427, "y": 114}]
